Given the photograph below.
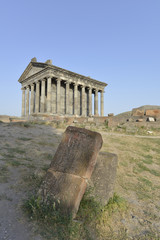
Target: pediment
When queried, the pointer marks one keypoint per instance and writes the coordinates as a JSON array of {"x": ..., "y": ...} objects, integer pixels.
[
  {"x": 33, "y": 71},
  {"x": 30, "y": 70}
]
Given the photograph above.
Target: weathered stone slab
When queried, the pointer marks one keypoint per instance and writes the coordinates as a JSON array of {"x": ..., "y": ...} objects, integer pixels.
[
  {"x": 71, "y": 167},
  {"x": 66, "y": 190},
  {"x": 77, "y": 152},
  {"x": 154, "y": 113},
  {"x": 103, "y": 177},
  {"x": 137, "y": 112},
  {"x": 150, "y": 119}
]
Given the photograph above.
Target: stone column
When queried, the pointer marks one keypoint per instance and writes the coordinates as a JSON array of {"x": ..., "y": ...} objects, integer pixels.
[
  {"x": 75, "y": 99},
  {"x": 58, "y": 96},
  {"x": 67, "y": 97},
  {"x": 90, "y": 101},
  {"x": 27, "y": 101},
  {"x": 37, "y": 97},
  {"x": 42, "y": 96},
  {"x": 32, "y": 99},
  {"x": 49, "y": 95},
  {"x": 83, "y": 101},
  {"x": 96, "y": 102},
  {"x": 102, "y": 103},
  {"x": 23, "y": 102}
]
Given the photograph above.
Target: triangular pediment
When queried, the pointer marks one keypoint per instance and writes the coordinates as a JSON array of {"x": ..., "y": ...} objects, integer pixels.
[{"x": 31, "y": 69}]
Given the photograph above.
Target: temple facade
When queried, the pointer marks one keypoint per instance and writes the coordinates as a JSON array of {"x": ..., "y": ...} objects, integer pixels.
[{"x": 53, "y": 90}]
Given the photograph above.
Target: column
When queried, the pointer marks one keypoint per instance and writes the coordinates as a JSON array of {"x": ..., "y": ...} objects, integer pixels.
[
  {"x": 58, "y": 96},
  {"x": 90, "y": 101},
  {"x": 27, "y": 101},
  {"x": 75, "y": 99},
  {"x": 67, "y": 98},
  {"x": 102, "y": 103},
  {"x": 49, "y": 95},
  {"x": 83, "y": 101},
  {"x": 42, "y": 96},
  {"x": 96, "y": 102},
  {"x": 23, "y": 102},
  {"x": 37, "y": 97},
  {"x": 32, "y": 99}
]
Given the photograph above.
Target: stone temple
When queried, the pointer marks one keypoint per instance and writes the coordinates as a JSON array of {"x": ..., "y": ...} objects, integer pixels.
[{"x": 48, "y": 89}]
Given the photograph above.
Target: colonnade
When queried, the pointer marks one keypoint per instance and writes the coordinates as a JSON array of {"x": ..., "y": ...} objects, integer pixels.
[{"x": 61, "y": 97}]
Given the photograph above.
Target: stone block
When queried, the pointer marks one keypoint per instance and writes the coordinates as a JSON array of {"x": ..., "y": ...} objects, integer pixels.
[
  {"x": 154, "y": 113},
  {"x": 91, "y": 119},
  {"x": 77, "y": 152},
  {"x": 66, "y": 190},
  {"x": 72, "y": 165},
  {"x": 137, "y": 112},
  {"x": 150, "y": 119},
  {"x": 103, "y": 177},
  {"x": 49, "y": 61}
]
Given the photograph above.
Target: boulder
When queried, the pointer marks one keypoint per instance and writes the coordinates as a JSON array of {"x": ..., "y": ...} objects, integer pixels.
[
  {"x": 150, "y": 119},
  {"x": 71, "y": 168},
  {"x": 103, "y": 178}
]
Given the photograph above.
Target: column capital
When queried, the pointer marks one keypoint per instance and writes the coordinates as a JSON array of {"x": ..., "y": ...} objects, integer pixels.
[
  {"x": 89, "y": 87},
  {"x": 67, "y": 82},
  {"x": 95, "y": 90},
  {"x": 23, "y": 88},
  {"x": 82, "y": 86},
  {"x": 101, "y": 90},
  {"x": 75, "y": 84},
  {"x": 48, "y": 76},
  {"x": 58, "y": 79}
]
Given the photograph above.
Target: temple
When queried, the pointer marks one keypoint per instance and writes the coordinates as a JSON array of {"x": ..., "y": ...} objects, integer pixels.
[{"x": 53, "y": 90}]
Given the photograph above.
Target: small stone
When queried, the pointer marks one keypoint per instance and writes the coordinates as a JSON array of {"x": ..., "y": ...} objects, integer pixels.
[
  {"x": 139, "y": 120},
  {"x": 149, "y": 132},
  {"x": 110, "y": 114}
]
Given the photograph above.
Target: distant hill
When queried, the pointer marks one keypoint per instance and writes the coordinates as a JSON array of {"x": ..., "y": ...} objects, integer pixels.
[{"x": 146, "y": 107}]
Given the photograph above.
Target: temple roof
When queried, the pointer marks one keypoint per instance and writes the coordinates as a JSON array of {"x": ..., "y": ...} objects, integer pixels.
[{"x": 34, "y": 68}]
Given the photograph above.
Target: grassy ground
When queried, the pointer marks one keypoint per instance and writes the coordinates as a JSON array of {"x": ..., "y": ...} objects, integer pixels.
[{"x": 26, "y": 150}]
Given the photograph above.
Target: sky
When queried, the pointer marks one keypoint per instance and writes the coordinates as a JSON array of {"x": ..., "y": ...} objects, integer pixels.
[{"x": 113, "y": 41}]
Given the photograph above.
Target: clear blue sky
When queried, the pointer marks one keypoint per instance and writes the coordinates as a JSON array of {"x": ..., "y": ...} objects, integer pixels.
[{"x": 114, "y": 41}]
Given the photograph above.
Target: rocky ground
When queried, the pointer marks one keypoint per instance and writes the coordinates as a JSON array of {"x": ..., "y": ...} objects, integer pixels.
[{"x": 26, "y": 151}]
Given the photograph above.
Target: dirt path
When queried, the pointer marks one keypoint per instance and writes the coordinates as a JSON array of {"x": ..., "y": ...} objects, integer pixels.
[{"x": 19, "y": 148}]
